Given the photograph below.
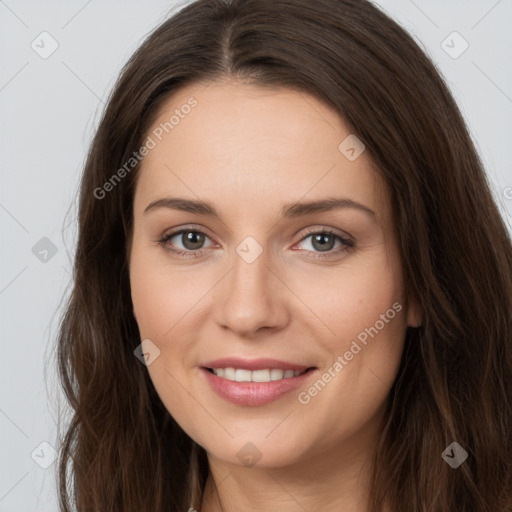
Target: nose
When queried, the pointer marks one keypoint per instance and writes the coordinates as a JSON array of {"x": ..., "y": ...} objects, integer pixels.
[{"x": 251, "y": 298}]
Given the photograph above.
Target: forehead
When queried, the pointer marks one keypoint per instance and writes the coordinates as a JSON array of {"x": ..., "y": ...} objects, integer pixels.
[{"x": 246, "y": 147}]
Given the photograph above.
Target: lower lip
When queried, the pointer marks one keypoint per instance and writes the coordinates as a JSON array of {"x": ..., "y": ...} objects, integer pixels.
[{"x": 254, "y": 393}]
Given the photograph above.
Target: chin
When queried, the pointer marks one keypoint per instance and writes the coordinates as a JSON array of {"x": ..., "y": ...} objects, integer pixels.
[{"x": 257, "y": 451}]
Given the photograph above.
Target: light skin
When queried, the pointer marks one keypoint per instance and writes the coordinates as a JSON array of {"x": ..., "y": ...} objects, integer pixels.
[{"x": 249, "y": 150}]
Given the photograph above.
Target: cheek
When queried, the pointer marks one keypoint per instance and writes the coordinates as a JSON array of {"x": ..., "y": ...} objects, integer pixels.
[
  {"x": 149, "y": 301},
  {"x": 365, "y": 316},
  {"x": 350, "y": 300},
  {"x": 369, "y": 295},
  {"x": 162, "y": 306},
  {"x": 161, "y": 296},
  {"x": 364, "y": 313}
]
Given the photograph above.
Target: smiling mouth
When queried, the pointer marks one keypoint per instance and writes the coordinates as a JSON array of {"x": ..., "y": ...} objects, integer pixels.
[{"x": 263, "y": 375}]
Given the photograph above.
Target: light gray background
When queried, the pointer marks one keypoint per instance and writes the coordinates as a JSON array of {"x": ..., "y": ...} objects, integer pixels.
[{"x": 49, "y": 109}]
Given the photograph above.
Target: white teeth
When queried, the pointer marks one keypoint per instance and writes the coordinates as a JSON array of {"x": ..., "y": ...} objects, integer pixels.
[
  {"x": 240, "y": 375},
  {"x": 229, "y": 373},
  {"x": 276, "y": 374},
  {"x": 243, "y": 375},
  {"x": 260, "y": 376}
]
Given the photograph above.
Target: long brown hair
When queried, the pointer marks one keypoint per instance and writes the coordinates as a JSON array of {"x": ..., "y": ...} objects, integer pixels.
[{"x": 122, "y": 448}]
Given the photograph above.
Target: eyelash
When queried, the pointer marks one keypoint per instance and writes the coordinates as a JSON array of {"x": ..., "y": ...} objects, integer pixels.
[{"x": 347, "y": 244}]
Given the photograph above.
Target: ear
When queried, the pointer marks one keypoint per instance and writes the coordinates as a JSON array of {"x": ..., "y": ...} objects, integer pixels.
[{"x": 415, "y": 313}]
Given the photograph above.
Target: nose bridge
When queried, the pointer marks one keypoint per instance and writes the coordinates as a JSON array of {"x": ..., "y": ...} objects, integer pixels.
[
  {"x": 249, "y": 296},
  {"x": 250, "y": 267}
]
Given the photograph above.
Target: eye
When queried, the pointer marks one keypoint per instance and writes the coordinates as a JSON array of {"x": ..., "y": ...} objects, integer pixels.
[
  {"x": 191, "y": 239},
  {"x": 324, "y": 241}
]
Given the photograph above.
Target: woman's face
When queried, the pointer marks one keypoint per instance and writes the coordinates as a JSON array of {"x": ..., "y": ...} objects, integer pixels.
[{"x": 261, "y": 281}]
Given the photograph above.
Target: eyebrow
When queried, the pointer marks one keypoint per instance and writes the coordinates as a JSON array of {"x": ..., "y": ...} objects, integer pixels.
[{"x": 289, "y": 210}]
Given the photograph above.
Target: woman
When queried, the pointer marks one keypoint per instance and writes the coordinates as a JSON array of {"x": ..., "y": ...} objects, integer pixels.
[{"x": 292, "y": 287}]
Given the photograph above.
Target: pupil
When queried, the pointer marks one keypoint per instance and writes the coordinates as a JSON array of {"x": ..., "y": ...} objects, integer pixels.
[
  {"x": 190, "y": 237},
  {"x": 322, "y": 238}
]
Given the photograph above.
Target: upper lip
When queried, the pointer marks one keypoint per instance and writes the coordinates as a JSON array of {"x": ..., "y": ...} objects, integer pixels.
[{"x": 253, "y": 364}]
